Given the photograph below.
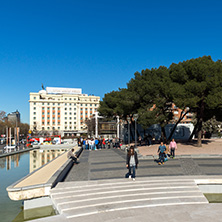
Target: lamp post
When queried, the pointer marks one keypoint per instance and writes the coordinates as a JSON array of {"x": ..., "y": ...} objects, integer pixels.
[
  {"x": 135, "y": 117},
  {"x": 128, "y": 121},
  {"x": 117, "y": 126},
  {"x": 96, "y": 127}
]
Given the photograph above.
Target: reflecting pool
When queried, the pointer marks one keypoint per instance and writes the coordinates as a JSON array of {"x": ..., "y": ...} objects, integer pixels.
[{"x": 13, "y": 168}]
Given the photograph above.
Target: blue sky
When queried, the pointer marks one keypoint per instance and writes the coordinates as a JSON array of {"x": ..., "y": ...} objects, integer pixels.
[{"x": 97, "y": 45}]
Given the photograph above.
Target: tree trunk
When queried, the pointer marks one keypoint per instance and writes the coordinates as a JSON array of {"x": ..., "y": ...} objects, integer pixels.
[
  {"x": 194, "y": 131},
  {"x": 163, "y": 134},
  {"x": 175, "y": 126},
  {"x": 200, "y": 123}
]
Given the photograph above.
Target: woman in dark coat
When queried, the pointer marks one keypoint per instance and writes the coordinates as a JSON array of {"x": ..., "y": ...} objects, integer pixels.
[{"x": 132, "y": 162}]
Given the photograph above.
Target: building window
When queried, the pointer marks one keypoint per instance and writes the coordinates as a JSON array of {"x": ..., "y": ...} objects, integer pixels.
[
  {"x": 42, "y": 103},
  {"x": 66, "y": 127},
  {"x": 65, "y": 117},
  {"x": 58, "y": 108},
  {"x": 74, "y": 108},
  {"x": 43, "y": 123},
  {"x": 43, "y": 117},
  {"x": 58, "y": 117},
  {"x": 48, "y": 123},
  {"x": 81, "y": 105},
  {"x": 65, "y": 113},
  {"x": 34, "y": 103},
  {"x": 70, "y": 108},
  {"x": 48, "y": 104},
  {"x": 74, "y": 113},
  {"x": 70, "y": 117},
  {"x": 48, "y": 113},
  {"x": 65, "y": 104},
  {"x": 47, "y": 108},
  {"x": 74, "y": 127},
  {"x": 53, "y": 117},
  {"x": 53, "y": 108},
  {"x": 34, "y": 108},
  {"x": 65, "y": 122},
  {"x": 43, "y": 127},
  {"x": 81, "y": 109},
  {"x": 48, "y": 128},
  {"x": 95, "y": 104},
  {"x": 34, "y": 98},
  {"x": 75, "y": 123},
  {"x": 85, "y": 104},
  {"x": 65, "y": 108},
  {"x": 90, "y": 104},
  {"x": 53, "y": 104},
  {"x": 34, "y": 117},
  {"x": 47, "y": 117},
  {"x": 70, "y": 99},
  {"x": 58, "y": 128},
  {"x": 34, "y": 113},
  {"x": 74, "y": 117},
  {"x": 86, "y": 109},
  {"x": 90, "y": 109},
  {"x": 70, "y": 127},
  {"x": 43, "y": 108},
  {"x": 70, "y": 123},
  {"x": 59, "y": 104},
  {"x": 70, "y": 113},
  {"x": 65, "y": 98}
]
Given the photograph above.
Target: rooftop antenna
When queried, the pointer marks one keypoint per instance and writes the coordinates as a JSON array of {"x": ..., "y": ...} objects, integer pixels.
[{"x": 43, "y": 87}]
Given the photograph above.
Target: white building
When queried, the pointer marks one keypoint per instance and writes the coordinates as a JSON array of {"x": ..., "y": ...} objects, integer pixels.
[{"x": 61, "y": 109}]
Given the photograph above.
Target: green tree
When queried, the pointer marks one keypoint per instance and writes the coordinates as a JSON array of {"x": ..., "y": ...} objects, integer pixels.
[{"x": 197, "y": 84}]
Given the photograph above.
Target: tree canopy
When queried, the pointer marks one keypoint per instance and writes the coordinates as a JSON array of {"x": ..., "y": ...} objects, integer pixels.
[{"x": 195, "y": 83}]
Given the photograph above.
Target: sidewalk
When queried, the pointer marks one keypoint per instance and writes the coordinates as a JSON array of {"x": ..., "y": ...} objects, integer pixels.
[{"x": 210, "y": 148}]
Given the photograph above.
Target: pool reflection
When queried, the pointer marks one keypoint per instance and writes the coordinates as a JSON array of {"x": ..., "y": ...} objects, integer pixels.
[{"x": 42, "y": 156}]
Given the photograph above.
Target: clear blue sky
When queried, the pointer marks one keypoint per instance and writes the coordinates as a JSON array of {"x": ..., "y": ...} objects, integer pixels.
[{"x": 97, "y": 45}]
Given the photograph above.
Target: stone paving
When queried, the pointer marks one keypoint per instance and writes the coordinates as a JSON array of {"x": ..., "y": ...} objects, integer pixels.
[{"x": 108, "y": 166}]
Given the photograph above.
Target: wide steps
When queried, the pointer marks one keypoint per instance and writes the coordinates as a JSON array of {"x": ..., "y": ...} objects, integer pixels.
[{"x": 76, "y": 199}]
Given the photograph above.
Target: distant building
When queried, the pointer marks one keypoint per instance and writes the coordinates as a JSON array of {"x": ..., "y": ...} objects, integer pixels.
[
  {"x": 61, "y": 111},
  {"x": 13, "y": 117},
  {"x": 188, "y": 118}
]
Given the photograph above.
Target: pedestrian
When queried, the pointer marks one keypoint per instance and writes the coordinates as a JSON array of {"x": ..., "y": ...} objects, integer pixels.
[
  {"x": 71, "y": 155},
  {"x": 84, "y": 144},
  {"x": 140, "y": 141},
  {"x": 161, "y": 151},
  {"x": 172, "y": 147},
  {"x": 132, "y": 162},
  {"x": 103, "y": 143},
  {"x": 96, "y": 143}
]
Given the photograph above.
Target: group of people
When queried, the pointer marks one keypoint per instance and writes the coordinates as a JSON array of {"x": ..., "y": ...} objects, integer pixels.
[
  {"x": 132, "y": 162},
  {"x": 165, "y": 151},
  {"x": 99, "y": 143}
]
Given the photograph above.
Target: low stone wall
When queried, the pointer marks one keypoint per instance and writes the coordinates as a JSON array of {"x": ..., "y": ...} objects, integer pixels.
[{"x": 39, "y": 182}]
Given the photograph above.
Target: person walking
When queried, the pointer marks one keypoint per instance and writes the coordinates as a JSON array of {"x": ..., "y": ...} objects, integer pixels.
[
  {"x": 132, "y": 162},
  {"x": 161, "y": 151},
  {"x": 172, "y": 147}
]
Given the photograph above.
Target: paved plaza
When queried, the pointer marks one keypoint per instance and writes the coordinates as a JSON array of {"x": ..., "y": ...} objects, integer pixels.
[{"x": 96, "y": 189}]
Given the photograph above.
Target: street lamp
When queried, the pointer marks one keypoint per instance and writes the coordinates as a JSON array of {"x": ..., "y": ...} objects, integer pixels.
[
  {"x": 117, "y": 117},
  {"x": 135, "y": 117},
  {"x": 128, "y": 120}
]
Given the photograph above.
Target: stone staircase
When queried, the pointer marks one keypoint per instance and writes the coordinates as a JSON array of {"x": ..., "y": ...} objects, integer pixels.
[{"x": 76, "y": 200}]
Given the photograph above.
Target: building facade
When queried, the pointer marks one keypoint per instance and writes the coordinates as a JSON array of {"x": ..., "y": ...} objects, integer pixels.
[
  {"x": 61, "y": 111},
  {"x": 14, "y": 117}
]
